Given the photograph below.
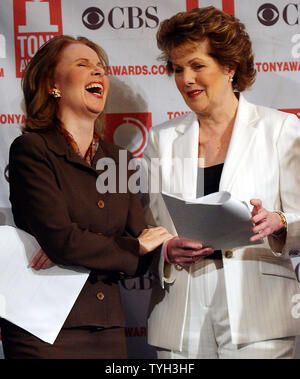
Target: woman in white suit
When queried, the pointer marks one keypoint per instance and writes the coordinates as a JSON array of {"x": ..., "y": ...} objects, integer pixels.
[{"x": 231, "y": 303}]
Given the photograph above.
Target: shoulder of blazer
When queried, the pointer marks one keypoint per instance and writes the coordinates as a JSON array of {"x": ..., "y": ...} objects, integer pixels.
[
  {"x": 27, "y": 142},
  {"x": 42, "y": 140},
  {"x": 268, "y": 114},
  {"x": 177, "y": 124},
  {"x": 265, "y": 115}
]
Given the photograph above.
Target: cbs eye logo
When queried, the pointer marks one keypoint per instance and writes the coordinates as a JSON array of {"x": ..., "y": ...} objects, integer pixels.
[
  {"x": 93, "y": 18},
  {"x": 268, "y": 14}
]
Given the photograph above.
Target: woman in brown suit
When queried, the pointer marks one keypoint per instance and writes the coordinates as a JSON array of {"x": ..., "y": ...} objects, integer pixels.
[{"x": 54, "y": 197}]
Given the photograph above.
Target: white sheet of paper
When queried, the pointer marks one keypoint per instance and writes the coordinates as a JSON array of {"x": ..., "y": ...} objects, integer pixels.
[
  {"x": 217, "y": 220},
  {"x": 37, "y": 301}
]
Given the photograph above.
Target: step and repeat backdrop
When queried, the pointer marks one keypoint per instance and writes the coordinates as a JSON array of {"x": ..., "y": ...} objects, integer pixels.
[{"x": 141, "y": 93}]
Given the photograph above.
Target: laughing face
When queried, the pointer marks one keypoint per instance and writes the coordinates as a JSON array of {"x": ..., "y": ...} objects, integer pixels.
[
  {"x": 80, "y": 77},
  {"x": 201, "y": 80}
]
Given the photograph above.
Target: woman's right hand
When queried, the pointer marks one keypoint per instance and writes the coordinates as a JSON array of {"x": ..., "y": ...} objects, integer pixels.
[
  {"x": 185, "y": 252},
  {"x": 151, "y": 238},
  {"x": 40, "y": 261}
]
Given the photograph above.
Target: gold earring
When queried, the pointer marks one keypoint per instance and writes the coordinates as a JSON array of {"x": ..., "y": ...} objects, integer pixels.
[{"x": 55, "y": 93}]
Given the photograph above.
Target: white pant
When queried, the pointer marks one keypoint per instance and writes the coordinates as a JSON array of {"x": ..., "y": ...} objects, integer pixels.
[{"x": 207, "y": 330}]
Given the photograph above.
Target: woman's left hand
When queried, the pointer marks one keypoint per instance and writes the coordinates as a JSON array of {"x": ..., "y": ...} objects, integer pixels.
[
  {"x": 265, "y": 222},
  {"x": 40, "y": 261}
]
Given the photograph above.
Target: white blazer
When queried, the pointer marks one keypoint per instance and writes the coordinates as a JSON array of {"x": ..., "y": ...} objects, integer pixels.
[{"x": 263, "y": 161}]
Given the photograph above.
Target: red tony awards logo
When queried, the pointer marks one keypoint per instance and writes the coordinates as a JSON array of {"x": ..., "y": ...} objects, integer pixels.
[
  {"x": 35, "y": 22},
  {"x": 128, "y": 130},
  {"x": 227, "y": 5}
]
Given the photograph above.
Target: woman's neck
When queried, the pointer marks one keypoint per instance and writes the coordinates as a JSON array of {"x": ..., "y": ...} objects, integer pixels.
[
  {"x": 81, "y": 129},
  {"x": 215, "y": 130},
  {"x": 221, "y": 118}
]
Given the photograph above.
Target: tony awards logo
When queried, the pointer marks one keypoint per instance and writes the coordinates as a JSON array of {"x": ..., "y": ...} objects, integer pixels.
[
  {"x": 227, "y": 5},
  {"x": 129, "y": 131},
  {"x": 35, "y": 22}
]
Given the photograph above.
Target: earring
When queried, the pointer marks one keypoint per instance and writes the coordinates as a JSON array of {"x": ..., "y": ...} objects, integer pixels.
[
  {"x": 55, "y": 93},
  {"x": 231, "y": 79}
]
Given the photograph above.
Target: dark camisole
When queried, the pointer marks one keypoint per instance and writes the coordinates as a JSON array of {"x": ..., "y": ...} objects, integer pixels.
[{"x": 212, "y": 176}]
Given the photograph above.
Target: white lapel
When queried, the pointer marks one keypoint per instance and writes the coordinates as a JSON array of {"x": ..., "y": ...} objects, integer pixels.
[
  {"x": 243, "y": 134},
  {"x": 185, "y": 149}
]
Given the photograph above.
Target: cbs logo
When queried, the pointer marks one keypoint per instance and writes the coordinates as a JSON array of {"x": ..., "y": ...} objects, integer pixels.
[
  {"x": 268, "y": 14},
  {"x": 121, "y": 18}
]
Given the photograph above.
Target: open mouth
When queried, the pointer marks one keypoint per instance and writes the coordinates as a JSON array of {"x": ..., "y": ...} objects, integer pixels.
[{"x": 95, "y": 89}]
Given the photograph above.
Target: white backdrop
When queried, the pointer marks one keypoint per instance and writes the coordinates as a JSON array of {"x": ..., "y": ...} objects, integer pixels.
[{"x": 141, "y": 93}]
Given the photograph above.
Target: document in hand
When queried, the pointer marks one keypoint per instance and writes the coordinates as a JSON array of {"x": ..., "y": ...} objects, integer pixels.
[
  {"x": 37, "y": 301},
  {"x": 217, "y": 220}
]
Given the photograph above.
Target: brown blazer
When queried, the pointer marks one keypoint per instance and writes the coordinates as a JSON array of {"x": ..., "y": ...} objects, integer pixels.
[{"x": 54, "y": 197}]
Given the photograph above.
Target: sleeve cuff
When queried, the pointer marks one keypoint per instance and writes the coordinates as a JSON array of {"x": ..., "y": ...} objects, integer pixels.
[{"x": 165, "y": 250}]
